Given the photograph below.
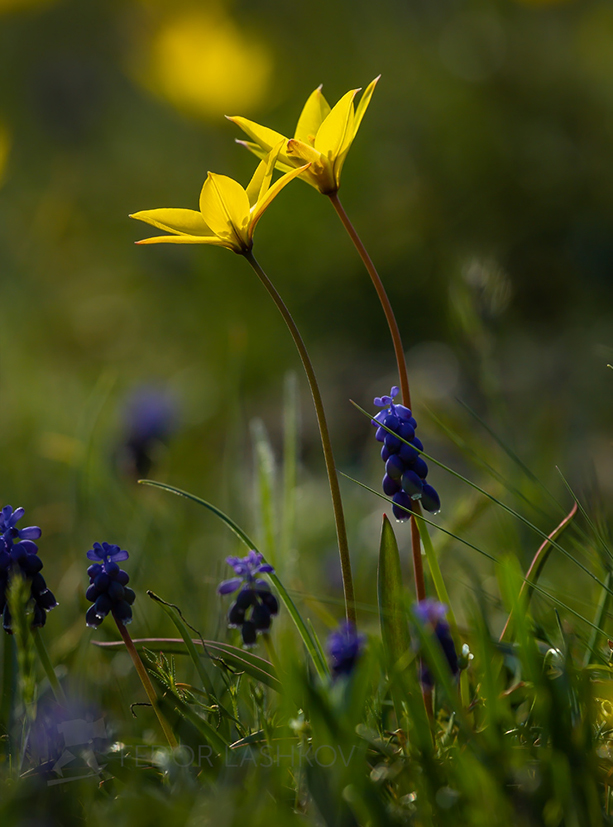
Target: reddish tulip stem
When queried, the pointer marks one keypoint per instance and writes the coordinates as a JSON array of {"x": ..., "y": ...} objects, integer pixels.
[
  {"x": 420, "y": 586},
  {"x": 383, "y": 298}
]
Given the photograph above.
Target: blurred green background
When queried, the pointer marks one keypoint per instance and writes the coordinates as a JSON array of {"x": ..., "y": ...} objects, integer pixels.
[{"x": 482, "y": 183}]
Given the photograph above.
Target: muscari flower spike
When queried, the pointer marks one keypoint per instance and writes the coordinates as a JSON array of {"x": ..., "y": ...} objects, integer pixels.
[
  {"x": 255, "y": 605},
  {"x": 108, "y": 589},
  {"x": 19, "y": 554},
  {"x": 344, "y": 647},
  {"x": 150, "y": 419},
  {"x": 323, "y": 138},
  {"x": 228, "y": 213},
  {"x": 405, "y": 470},
  {"x": 431, "y": 614}
]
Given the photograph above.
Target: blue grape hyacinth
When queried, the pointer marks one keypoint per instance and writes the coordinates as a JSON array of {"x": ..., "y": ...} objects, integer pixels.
[
  {"x": 344, "y": 647},
  {"x": 255, "y": 605},
  {"x": 19, "y": 555},
  {"x": 431, "y": 614},
  {"x": 108, "y": 589},
  {"x": 405, "y": 470},
  {"x": 150, "y": 419}
]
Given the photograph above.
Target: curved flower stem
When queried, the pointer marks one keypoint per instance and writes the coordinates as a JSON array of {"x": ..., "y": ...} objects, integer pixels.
[
  {"x": 339, "y": 517},
  {"x": 383, "y": 298},
  {"x": 420, "y": 586},
  {"x": 145, "y": 680}
]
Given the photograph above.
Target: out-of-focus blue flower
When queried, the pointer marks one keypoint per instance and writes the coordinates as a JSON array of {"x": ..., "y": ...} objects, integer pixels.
[
  {"x": 432, "y": 616},
  {"x": 405, "y": 470},
  {"x": 19, "y": 554},
  {"x": 255, "y": 605},
  {"x": 344, "y": 647},
  {"x": 150, "y": 418},
  {"x": 108, "y": 585}
]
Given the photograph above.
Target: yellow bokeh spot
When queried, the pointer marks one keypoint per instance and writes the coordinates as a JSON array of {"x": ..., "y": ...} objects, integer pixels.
[{"x": 204, "y": 65}]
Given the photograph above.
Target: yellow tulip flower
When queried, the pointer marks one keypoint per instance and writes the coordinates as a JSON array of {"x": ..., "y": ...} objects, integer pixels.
[
  {"x": 323, "y": 138},
  {"x": 228, "y": 213}
]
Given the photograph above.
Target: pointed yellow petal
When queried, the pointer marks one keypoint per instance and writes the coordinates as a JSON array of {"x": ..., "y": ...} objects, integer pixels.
[
  {"x": 263, "y": 176},
  {"x": 254, "y": 186},
  {"x": 225, "y": 207},
  {"x": 186, "y": 239},
  {"x": 333, "y": 130},
  {"x": 363, "y": 104},
  {"x": 272, "y": 193},
  {"x": 264, "y": 137},
  {"x": 184, "y": 222},
  {"x": 255, "y": 148},
  {"x": 315, "y": 111},
  {"x": 260, "y": 153}
]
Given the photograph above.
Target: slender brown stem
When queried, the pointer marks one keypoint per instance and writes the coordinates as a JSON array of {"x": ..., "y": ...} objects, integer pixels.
[
  {"x": 383, "y": 298},
  {"x": 337, "y": 505},
  {"x": 536, "y": 566},
  {"x": 420, "y": 586},
  {"x": 142, "y": 674}
]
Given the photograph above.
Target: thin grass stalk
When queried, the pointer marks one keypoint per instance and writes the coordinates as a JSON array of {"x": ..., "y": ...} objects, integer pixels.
[
  {"x": 339, "y": 517},
  {"x": 43, "y": 656},
  {"x": 538, "y": 562},
  {"x": 147, "y": 685}
]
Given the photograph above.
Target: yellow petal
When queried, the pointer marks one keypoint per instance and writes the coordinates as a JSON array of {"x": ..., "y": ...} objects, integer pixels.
[
  {"x": 315, "y": 111},
  {"x": 352, "y": 128},
  {"x": 363, "y": 104},
  {"x": 187, "y": 239},
  {"x": 333, "y": 131},
  {"x": 272, "y": 193},
  {"x": 225, "y": 207},
  {"x": 184, "y": 222},
  {"x": 260, "y": 153},
  {"x": 263, "y": 176},
  {"x": 264, "y": 137}
]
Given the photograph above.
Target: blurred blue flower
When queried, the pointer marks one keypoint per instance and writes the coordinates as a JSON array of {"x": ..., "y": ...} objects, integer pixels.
[
  {"x": 405, "y": 470},
  {"x": 108, "y": 585},
  {"x": 19, "y": 554},
  {"x": 150, "y": 418},
  {"x": 344, "y": 647},
  {"x": 255, "y": 605},
  {"x": 432, "y": 616}
]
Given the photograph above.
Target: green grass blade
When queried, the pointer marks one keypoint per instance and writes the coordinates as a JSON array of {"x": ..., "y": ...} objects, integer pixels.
[
  {"x": 599, "y": 619},
  {"x": 264, "y": 462},
  {"x": 174, "y": 613},
  {"x": 467, "y": 450},
  {"x": 587, "y": 518},
  {"x": 511, "y": 454},
  {"x": 320, "y": 666},
  {"x": 215, "y": 740},
  {"x": 240, "y": 659},
  {"x": 392, "y": 614},
  {"x": 290, "y": 466}
]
